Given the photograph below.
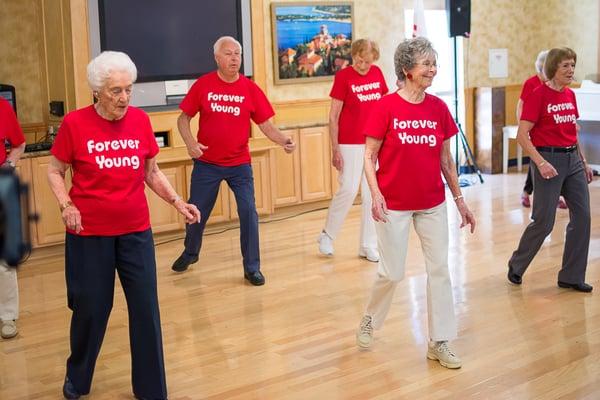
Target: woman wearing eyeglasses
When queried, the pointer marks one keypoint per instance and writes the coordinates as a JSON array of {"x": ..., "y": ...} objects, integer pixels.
[
  {"x": 111, "y": 150},
  {"x": 409, "y": 136},
  {"x": 548, "y": 133}
]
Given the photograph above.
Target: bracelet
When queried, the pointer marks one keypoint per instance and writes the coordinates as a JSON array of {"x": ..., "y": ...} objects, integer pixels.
[
  {"x": 460, "y": 196},
  {"x": 65, "y": 205},
  {"x": 542, "y": 164}
]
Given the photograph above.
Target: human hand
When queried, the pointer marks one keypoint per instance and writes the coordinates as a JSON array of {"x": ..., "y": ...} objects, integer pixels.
[
  {"x": 547, "y": 170},
  {"x": 195, "y": 150},
  {"x": 289, "y": 145},
  {"x": 466, "y": 216},
  {"x": 189, "y": 211},
  {"x": 337, "y": 160},
  {"x": 72, "y": 218},
  {"x": 379, "y": 208}
]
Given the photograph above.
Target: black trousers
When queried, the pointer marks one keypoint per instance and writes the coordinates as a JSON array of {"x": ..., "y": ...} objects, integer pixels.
[
  {"x": 91, "y": 262},
  {"x": 572, "y": 184}
]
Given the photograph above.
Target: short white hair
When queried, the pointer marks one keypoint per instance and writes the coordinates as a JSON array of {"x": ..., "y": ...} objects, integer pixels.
[
  {"x": 100, "y": 68},
  {"x": 220, "y": 41},
  {"x": 540, "y": 60}
]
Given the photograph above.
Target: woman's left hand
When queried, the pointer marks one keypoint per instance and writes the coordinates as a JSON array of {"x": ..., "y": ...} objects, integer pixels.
[
  {"x": 589, "y": 172},
  {"x": 467, "y": 217},
  {"x": 189, "y": 211}
]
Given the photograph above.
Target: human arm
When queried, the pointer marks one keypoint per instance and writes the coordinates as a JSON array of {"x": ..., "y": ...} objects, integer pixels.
[
  {"x": 519, "y": 109},
  {"x": 276, "y": 136},
  {"x": 15, "y": 154},
  {"x": 158, "y": 183},
  {"x": 334, "y": 118},
  {"x": 56, "y": 178},
  {"x": 378, "y": 205},
  {"x": 449, "y": 172},
  {"x": 589, "y": 172},
  {"x": 545, "y": 168},
  {"x": 194, "y": 148}
]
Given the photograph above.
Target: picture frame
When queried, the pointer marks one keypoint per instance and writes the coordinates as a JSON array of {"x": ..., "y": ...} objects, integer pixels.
[{"x": 311, "y": 40}]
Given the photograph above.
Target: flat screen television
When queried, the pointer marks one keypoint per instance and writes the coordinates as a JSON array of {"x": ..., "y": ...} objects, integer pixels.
[
  {"x": 168, "y": 39},
  {"x": 8, "y": 93}
]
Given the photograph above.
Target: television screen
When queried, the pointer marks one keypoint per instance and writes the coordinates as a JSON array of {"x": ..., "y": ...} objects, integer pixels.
[
  {"x": 8, "y": 93},
  {"x": 168, "y": 40}
]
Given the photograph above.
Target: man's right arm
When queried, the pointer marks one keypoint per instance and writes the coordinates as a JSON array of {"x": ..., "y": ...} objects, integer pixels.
[{"x": 194, "y": 148}]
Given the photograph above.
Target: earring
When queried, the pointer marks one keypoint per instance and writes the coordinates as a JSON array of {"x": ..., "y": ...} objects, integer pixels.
[{"x": 409, "y": 76}]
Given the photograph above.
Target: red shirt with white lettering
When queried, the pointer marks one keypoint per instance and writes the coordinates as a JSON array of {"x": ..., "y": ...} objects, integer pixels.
[
  {"x": 9, "y": 128},
  {"x": 409, "y": 174},
  {"x": 359, "y": 93},
  {"x": 225, "y": 112},
  {"x": 554, "y": 115},
  {"x": 529, "y": 86},
  {"x": 107, "y": 159}
]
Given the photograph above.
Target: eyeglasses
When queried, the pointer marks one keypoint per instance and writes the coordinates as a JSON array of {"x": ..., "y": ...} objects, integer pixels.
[
  {"x": 117, "y": 91},
  {"x": 428, "y": 64}
]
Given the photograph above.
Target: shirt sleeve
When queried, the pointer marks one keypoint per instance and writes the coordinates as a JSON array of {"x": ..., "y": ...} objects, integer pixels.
[
  {"x": 532, "y": 106},
  {"x": 62, "y": 148},
  {"x": 575, "y": 103},
  {"x": 191, "y": 102},
  {"x": 527, "y": 89},
  {"x": 262, "y": 107},
  {"x": 449, "y": 125},
  {"x": 153, "y": 148},
  {"x": 378, "y": 121},
  {"x": 339, "y": 88},
  {"x": 384, "y": 87},
  {"x": 10, "y": 124}
]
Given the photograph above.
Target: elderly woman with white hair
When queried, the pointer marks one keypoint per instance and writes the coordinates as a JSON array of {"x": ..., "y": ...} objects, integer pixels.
[
  {"x": 408, "y": 135},
  {"x": 111, "y": 149}
]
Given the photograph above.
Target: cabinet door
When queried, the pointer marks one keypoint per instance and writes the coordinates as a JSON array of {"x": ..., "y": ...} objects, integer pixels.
[
  {"x": 163, "y": 216},
  {"x": 315, "y": 159},
  {"x": 50, "y": 228},
  {"x": 286, "y": 188},
  {"x": 261, "y": 172},
  {"x": 220, "y": 211},
  {"x": 24, "y": 172}
]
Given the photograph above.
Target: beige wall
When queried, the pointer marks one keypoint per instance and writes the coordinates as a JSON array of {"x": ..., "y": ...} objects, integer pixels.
[
  {"x": 381, "y": 20},
  {"x": 20, "y": 63},
  {"x": 525, "y": 28}
]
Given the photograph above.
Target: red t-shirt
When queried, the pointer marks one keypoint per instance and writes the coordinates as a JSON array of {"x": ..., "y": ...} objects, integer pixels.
[
  {"x": 225, "y": 112},
  {"x": 529, "y": 86},
  {"x": 108, "y": 160},
  {"x": 9, "y": 129},
  {"x": 554, "y": 115},
  {"x": 409, "y": 174},
  {"x": 359, "y": 93}
]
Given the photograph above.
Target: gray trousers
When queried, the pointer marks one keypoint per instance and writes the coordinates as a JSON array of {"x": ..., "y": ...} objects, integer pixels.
[{"x": 572, "y": 184}]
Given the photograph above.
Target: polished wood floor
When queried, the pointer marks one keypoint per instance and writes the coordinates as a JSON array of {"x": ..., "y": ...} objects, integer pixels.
[{"x": 294, "y": 337}]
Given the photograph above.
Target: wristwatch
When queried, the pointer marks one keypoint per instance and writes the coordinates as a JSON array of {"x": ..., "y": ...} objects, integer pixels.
[{"x": 65, "y": 205}]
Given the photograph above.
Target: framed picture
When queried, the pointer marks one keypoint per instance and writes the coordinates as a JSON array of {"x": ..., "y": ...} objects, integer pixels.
[{"x": 311, "y": 40}]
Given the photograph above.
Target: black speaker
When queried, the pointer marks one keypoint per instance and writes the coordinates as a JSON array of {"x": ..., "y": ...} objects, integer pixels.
[{"x": 459, "y": 17}]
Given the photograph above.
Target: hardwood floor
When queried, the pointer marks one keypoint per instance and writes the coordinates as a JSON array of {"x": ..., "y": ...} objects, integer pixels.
[{"x": 294, "y": 337}]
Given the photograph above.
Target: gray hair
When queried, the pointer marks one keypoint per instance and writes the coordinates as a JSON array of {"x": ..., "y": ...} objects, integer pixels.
[
  {"x": 405, "y": 56},
  {"x": 540, "y": 60},
  {"x": 220, "y": 41},
  {"x": 101, "y": 67}
]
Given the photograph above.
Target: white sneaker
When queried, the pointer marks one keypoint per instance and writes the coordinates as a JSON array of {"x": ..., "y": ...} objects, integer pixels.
[
  {"x": 369, "y": 253},
  {"x": 325, "y": 244},
  {"x": 9, "y": 329},
  {"x": 441, "y": 352},
  {"x": 364, "y": 335}
]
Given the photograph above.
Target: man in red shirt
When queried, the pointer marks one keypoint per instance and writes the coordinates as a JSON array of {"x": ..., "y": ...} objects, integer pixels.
[
  {"x": 226, "y": 101},
  {"x": 11, "y": 132}
]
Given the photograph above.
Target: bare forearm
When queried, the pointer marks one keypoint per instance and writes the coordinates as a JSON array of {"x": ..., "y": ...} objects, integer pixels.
[
  {"x": 56, "y": 180},
  {"x": 183, "y": 124},
  {"x": 449, "y": 172},
  {"x": 273, "y": 133},
  {"x": 16, "y": 153},
  {"x": 370, "y": 162},
  {"x": 159, "y": 184}
]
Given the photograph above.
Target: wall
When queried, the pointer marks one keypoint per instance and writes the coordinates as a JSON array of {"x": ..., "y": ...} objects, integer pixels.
[
  {"x": 524, "y": 28},
  {"x": 380, "y": 20},
  {"x": 21, "y": 64}
]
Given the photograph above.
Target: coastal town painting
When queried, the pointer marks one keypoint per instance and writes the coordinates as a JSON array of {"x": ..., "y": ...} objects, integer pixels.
[{"x": 311, "y": 40}]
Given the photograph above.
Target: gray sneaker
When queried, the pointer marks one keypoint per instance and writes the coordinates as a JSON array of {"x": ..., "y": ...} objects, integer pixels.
[
  {"x": 364, "y": 335},
  {"x": 9, "y": 329},
  {"x": 443, "y": 354}
]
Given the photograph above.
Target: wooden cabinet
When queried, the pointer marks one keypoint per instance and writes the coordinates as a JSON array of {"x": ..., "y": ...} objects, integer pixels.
[
  {"x": 24, "y": 172},
  {"x": 315, "y": 160},
  {"x": 163, "y": 216},
  {"x": 286, "y": 174},
  {"x": 50, "y": 228}
]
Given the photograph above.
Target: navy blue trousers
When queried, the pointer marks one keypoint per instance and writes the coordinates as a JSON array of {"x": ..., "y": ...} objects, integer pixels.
[
  {"x": 91, "y": 262},
  {"x": 204, "y": 188}
]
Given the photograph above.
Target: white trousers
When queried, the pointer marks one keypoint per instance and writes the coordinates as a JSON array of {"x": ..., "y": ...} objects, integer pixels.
[
  {"x": 350, "y": 178},
  {"x": 432, "y": 228},
  {"x": 9, "y": 293}
]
